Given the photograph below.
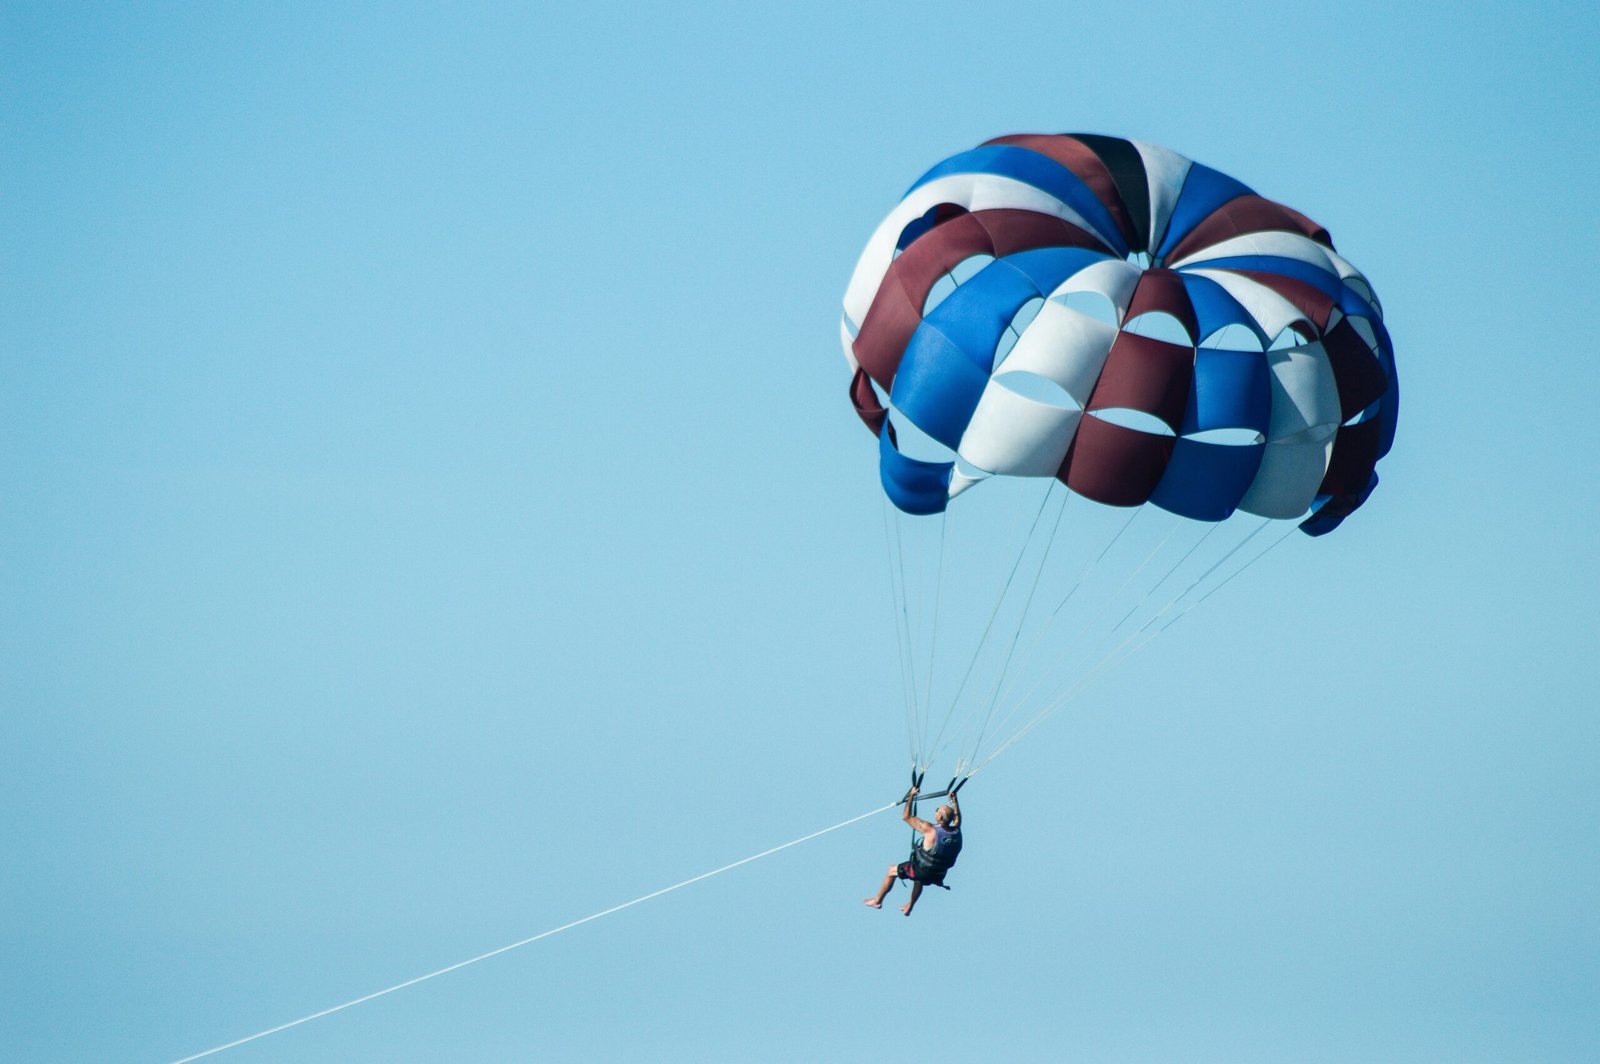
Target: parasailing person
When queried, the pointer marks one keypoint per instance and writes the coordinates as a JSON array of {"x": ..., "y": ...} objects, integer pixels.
[{"x": 932, "y": 855}]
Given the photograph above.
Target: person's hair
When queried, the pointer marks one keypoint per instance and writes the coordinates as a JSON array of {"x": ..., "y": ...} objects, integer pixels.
[{"x": 944, "y": 814}]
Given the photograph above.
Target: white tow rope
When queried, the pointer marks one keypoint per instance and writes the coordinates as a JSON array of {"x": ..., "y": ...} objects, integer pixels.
[{"x": 534, "y": 938}]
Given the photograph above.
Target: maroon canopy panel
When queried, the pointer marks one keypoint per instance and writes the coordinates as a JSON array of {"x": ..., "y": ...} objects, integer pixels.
[{"x": 1115, "y": 465}]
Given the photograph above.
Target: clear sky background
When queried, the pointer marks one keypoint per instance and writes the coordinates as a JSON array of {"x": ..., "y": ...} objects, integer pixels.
[{"x": 430, "y": 512}]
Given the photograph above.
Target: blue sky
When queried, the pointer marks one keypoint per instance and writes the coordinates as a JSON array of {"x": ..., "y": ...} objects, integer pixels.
[{"x": 432, "y": 513}]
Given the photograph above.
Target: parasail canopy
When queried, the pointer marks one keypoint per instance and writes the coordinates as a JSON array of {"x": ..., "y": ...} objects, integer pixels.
[{"x": 1135, "y": 325}]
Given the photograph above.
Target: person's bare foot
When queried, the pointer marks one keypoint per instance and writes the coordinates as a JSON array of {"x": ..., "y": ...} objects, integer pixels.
[
  {"x": 906, "y": 909},
  {"x": 872, "y": 903}
]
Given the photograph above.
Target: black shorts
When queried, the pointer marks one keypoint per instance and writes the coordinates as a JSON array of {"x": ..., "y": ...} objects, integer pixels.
[{"x": 907, "y": 870}]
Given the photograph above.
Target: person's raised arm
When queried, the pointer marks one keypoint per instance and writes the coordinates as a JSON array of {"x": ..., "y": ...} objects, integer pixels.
[
  {"x": 955, "y": 809},
  {"x": 916, "y": 822}
]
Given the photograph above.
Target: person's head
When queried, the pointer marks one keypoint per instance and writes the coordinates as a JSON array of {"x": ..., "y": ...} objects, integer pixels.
[{"x": 944, "y": 815}]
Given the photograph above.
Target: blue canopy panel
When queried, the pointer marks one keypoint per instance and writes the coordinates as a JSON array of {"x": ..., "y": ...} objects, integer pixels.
[
  {"x": 1215, "y": 308},
  {"x": 1355, "y": 305},
  {"x": 1230, "y": 390},
  {"x": 915, "y": 486},
  {"x": 1389, "y": 405},
  {"x": 1043, "y": 173},
  {"x": 949, "y": 358},
  {"x": 1324, "y": 281},
  {"x": 1204, "y": 190},
  {"x": 1330, "y": 284},
  {"x": 1205, "y": 480},
  {"x": 937, "y": 386}
]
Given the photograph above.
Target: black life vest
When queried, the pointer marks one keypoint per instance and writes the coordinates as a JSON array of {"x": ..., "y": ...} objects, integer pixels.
[{"x": 933, "y": 864}]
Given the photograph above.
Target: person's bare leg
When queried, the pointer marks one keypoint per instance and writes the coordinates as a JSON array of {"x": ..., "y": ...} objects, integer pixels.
[
  {"x": 916, "y": 892},
  {"x": 883, "y": 891}
]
